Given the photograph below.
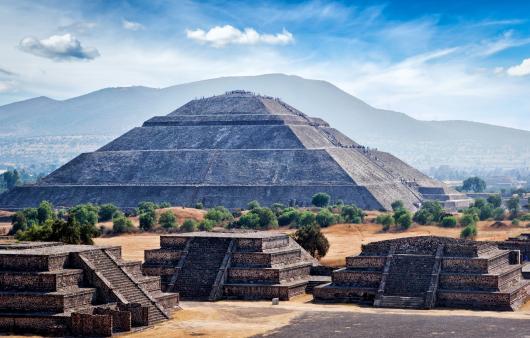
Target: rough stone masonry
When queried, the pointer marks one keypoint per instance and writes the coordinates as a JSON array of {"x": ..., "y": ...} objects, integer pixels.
[{"x": 228, "y": 150}]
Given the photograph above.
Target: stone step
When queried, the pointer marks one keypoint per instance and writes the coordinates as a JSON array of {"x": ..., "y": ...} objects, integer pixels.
[{"x": 402, "y": 302}]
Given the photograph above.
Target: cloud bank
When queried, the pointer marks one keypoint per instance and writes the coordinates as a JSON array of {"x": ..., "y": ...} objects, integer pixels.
[
  {"x": 221, "y": 36},
  {"x": 521, "y": 69},
  {"x": 58, "y": 48}
]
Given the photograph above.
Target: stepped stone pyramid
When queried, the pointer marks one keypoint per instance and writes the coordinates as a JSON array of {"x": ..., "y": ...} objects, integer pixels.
[
  {"x": 426, "y": 272},
  {"x": 212, "y": 266},
  {"x": 55, "y": 289},
  {"x": 228, "y": 150}
]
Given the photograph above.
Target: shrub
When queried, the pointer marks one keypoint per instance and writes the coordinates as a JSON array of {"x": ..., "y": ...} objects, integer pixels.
[
  {"x": 513, "y": 205},
  {"x": 206, "y": 225},
  {"x": 320, "y": 199},
  {"x": 486, "y": 212},
  {"x": 386, "y": 220},
  {"x": 288, "y": 216},
  {"x": 352, "y": 214},
  {"x": 495, "y": 200},
  {"x": 516, "y": 221},
  {"x": 479, "y": 203},
  {"x": 470, "y": 231},
  {"x": 199, "y": 205},
  {"x": 430, "y": 211},
  {"x": 19, "y": 222},
  {"x": 121, "y": 224},
  {"x": 85, "y": 214},
  {"x": 219, "y": 215},
  {"x": 107, "y": 212},
  {"x": 306, "y": 218},
  {"x": 467, "y": 219},
  {"x": 45, "y": 212},
  {"x": 237, "y": 213},
  {"x": 190, "y": 225},
  {"x": 147, "y": 220},
  {"x": 325, "y": 218},
  {"x": 397, "y": 205},
  {"x": 253, "y": 205},
  {"x": 165, "y": 205},
  {"x": 449, "y": 221},
  {"x": 312, "y": 240},
  {"x": 525, "y": 217},
  {"x": 267, "y": 219},
  {"x": 167, "y": 220},
  {"x": 277, "y": 208},
  {"x": 249, "y": 220},
  {"x": 404, "y": 221},
  {"x": 70, "y": 232},
  {"x": 498, "y": 214},
  {"x": 475, "y": 184},
  {"x": 146, "y": 206}
]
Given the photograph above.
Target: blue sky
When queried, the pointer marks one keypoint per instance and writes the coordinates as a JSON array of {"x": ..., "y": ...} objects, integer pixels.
[{"x": 434, "y": 60}]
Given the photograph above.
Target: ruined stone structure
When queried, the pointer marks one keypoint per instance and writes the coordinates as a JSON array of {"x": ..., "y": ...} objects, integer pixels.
[
  {"x": 521, "y": 243},
  {"x": 212, "y": 266},
  {"x": 427, "y": 272},
  {"x": 228, "y": 150},
  {"x": 55, "y": 289}
]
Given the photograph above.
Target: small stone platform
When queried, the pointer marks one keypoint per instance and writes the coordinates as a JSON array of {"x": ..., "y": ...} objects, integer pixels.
[
  {"x": 426, "y": 272},
  {"x": 235, "y": 265},
  {"x": 55, "y": 289}
]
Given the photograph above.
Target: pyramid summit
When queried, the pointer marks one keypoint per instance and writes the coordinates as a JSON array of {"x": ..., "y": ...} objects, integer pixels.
[{"x": 228, "y": 150}]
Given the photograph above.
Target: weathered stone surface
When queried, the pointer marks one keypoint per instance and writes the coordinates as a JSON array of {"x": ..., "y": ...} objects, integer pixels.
[{"x": 228, "y": 150}]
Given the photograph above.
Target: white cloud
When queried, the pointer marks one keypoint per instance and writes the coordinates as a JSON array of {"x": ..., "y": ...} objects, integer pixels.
[
  {"x": 4, "y": 87},
  {"x": 132, "y": 26},
  {"x": 521, "y": 69},
  {"x": 220, "y": 36},
  {"x": 58, "y": 48},
  {"x": 80, "y": 27}
]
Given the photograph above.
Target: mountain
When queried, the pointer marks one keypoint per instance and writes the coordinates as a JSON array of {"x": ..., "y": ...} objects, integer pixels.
[{"x": 111, "y": 111}]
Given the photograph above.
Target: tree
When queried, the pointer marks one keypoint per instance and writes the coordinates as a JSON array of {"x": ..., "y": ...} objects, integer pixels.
[
  {"x": 277, "y": 208},
  {"x": 513, "y": 206},
  {"x": 312, "y": 240},
  {"x": 190, "y": 225},
  {"x": 164, "y": 205},
  {"x": 352, "y": 214},
  {"x": 470, "y": 231},
  {"x": 325, "y": 218},
  {"x": 306, "y": 218},
  {"x": 486, "y": 212},
  {"x": 219, "y": 215},
  {"x": 19, "y": 222},
  {"x": 168, "y": 220},
  {"x": 249, "y": 220},
  {"x": 70, "y": 232},
  {"x": 449, "y": 221},
  {"x": 495, "y": 200},
  {"x": 430, "y": 211},
  {"x": 146, "y": 206},
  {"x": 320, "y": 199},
  {"x": 479, "y": 203},
  {"x": 404, "y": 220},
  {"x": 11, "y": 179},
  {"x": 289, "y": 216},
  {"x": 253, "y": 205},
  {"x": 147, "y": 220},
  {"x": 84, "y": 214},
  {"x": 397, "y": 205},
  {"x": 386, "y": 220},
  {"x": 199, "y": 205},
  {"x": 121, "y": 224},
  {"x": 107, "y": 212},
  {"x": 45, "y": 211},
  {"x": 206, "y": 225},
  {"x": 475, "y": 184},
  {"x": 467, "y": 219},
  {"x": 498, "y": 214}
]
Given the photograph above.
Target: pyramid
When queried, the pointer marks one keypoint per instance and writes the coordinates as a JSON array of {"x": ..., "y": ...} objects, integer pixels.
[{"x": 228, "y": 150}]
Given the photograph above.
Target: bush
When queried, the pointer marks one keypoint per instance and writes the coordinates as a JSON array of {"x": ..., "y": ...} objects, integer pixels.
[
  {"x": 470, "y": 231},
  {"x": 386, "y": 220},
  {"x": 495, "y": 200},
  {"x": 525, "y": 217},
  {"x": 498, "y": 214},
  {"x": 18, "y": 222},
  {"x": 165, "y": 205},
  {"x": 277, "y": 208},
  {"x": 145, "y": 206},
  {"x": 237, "y": 213},
  {"x": 449, "y": 221},
  {"x": 320, "y": 199},
  {"x": 475, "y": 184},
  {"x": 513, "y": 205},
  {"x": 467, "y": 219},
  {"x": 248, "y": 221},
  {"x": 404, "y": 221},
  {"x": 45, "y": 212},
  {"x": 312, "y": 240},
  {"x": 397, "y": 205},
  {"x": 107, "y": 212},
  {"x": 352, "y": 214},
  {"x": 325, "y": 218},
  {"x": 85, "y": 214},
  {"x": 206, "y": 225},
  {"x": 121, "y": 224},
  {"x": 430, "y": 211},
  {"x": 289, "y": 216},
  {"x": 199, "y": 205},
  {"x": 253, "y": 205},
  {"x": 516, "y": 221},
  {"x": 70, "y": 232},
  {"x": 486, "y": 212},
  {"x": 479, "y": 203},
  {"x": 306, "y": 218},
  {"x": 219, "y": 215},
  {"x": 190, "y": 225},
  {"x": 167, "y": 220},
  {"x": 147, "y": 220}
]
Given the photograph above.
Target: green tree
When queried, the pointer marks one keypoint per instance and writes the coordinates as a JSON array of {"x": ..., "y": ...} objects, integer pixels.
[
  {"x": 386, "y": 220},
  {"x": 219, "y": 215},
  {"x": 513, "y": 206},
  {"x": 253, "y": 205},
  {"x": 320, "y": 199},
  {"x": 45, "y": 211},
  {"x": 206, "y": 225},
  {"x": 84, "y": 214},
  {"x": 352, "y": 214},
  {"x": 306, "y": 218},
  {"x": 168, "y": 220},
  {"x": 277, "y": 208},
  {"x": 467, "y": 219},
  {"x": 121, "y": 224},
  {"x": 11, "y": 179},
  {"x": 474, "y": 184},
  {"x": 479, "y": 203},
  {"x": 470, "y": 231},
  {"x": 404, "y": 220},
  {"x": 449, "y": 221},
  {"x": 325, "y": 218},
  {"x": 18, "y": 222},
  {"x": 498, "y": 214},
  {"x": 147, "y": 220},
  {"x": 430, "y": 211},
  {"x": 312, "y": 240},
  {"x": 289, "y": 216},
  {"x": 107, "y": 212},
  {"x": 199, "y": 205},
  {"x": 486, "y": 212},
  {"x": 397, "y": 205},
  {"x": 190, "y": 225},
  {"x": 249, "y": 220},
  {"x": 495, "y": 200},
  {"x": 146, "y": 206},
  {"x": 165, "y": 205}
]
